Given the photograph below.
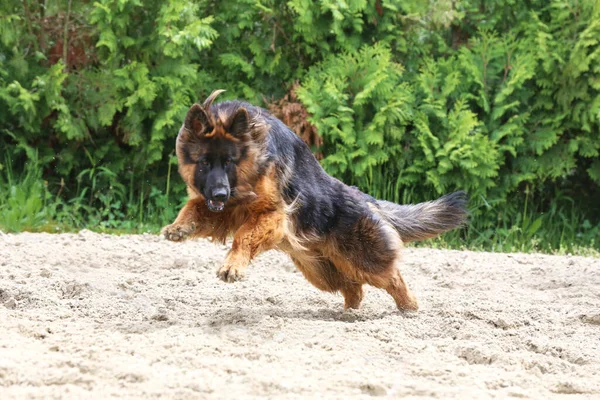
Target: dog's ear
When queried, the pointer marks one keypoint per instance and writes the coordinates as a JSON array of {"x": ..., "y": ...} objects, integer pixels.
[
  {"x": 196, "y": 121},
  {"x": 240, "y": 123}
]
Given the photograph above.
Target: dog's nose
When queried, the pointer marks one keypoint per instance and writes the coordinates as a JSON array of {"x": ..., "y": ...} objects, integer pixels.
[{"x": 220, "y": 194}]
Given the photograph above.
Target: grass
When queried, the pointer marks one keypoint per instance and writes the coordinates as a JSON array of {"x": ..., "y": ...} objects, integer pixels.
[{"x": 101, "y": 203}]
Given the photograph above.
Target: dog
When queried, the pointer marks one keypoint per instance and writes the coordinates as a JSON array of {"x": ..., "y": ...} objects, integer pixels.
[{"x": 249, "y": 176}]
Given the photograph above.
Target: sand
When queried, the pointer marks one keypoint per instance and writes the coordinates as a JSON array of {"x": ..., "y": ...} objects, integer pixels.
[{"x": 98, "y": 316}]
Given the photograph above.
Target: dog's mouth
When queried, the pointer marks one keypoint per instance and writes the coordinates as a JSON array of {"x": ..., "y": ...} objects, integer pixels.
[{"x": 215, "y": 206}]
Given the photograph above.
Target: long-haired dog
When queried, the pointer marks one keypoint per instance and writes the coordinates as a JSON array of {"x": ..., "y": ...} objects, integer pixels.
[{"x": 249, "y": 176}]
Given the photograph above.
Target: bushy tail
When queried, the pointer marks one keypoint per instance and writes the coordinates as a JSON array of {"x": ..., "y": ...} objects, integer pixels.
[{"x": 426, "y": 220}]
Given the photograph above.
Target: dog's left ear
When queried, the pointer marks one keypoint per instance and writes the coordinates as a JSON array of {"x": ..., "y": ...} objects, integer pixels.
[
  {"x": 240, "y": 123},
  {"x": 196, "y": 121}
]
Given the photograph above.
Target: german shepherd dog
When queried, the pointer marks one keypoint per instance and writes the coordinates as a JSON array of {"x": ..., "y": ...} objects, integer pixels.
[{"x": 249, "y": 176}]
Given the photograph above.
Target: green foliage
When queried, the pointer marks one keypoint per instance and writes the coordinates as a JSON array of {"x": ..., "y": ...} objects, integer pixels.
[
  {"x": 359, "y": 101},
  {"x": 510, "y": 111},
  {"x": 413, "y": 99}
]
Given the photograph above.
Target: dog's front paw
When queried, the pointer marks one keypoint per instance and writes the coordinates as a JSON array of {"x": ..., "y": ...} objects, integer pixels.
[
  {"x": 178, "y": 232},
  {"x": 231, "y": 273}
]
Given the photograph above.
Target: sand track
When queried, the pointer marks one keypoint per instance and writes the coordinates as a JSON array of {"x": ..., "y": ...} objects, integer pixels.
[{"x": 98, "y": 316}]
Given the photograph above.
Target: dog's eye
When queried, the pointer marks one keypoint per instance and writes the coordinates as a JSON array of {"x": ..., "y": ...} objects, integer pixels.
[
  {"x": 228, "y": 161},
  {"x": 204, "y": 162}
]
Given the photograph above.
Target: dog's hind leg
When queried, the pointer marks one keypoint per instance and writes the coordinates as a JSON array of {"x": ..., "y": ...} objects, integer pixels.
[
  {"x": 369, "y": 252},
  {"x": 324, "y": 275},
  {"x": 389, "y": 279},
  {"x": 394, "y": 284},
  {"x": 353, "y": 294}
]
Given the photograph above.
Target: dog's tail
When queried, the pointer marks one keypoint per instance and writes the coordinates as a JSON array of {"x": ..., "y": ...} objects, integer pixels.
[{"x": 426, "y": 220}]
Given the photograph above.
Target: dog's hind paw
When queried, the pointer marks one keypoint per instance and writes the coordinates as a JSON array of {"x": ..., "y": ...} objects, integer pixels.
[{"x": 176, "y": 232}]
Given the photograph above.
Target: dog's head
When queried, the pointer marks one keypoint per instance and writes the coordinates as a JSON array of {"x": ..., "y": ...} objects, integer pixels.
[{"x": 216, "y": 149}]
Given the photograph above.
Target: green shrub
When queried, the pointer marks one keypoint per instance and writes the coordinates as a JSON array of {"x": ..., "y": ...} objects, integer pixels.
[{"x": 412, "y": 99}]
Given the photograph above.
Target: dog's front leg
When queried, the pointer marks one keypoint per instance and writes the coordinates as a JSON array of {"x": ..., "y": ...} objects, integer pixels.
[
  {"x": 186, "y": 222},
  {"x": 261, "y": 233}
]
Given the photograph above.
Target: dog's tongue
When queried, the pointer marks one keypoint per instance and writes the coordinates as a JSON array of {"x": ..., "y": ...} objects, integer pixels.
[{"x": 217, "y": 204}]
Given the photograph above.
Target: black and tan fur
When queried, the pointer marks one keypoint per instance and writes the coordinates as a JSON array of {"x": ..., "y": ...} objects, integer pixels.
[{"x": 273, "y": 194}]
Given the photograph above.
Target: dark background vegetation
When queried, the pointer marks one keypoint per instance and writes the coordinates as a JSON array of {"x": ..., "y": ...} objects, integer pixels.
[{"x": 405, "y": 99}]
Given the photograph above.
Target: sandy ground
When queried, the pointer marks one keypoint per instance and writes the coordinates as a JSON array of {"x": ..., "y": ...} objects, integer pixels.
[{"x": 98, "y": 316}]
